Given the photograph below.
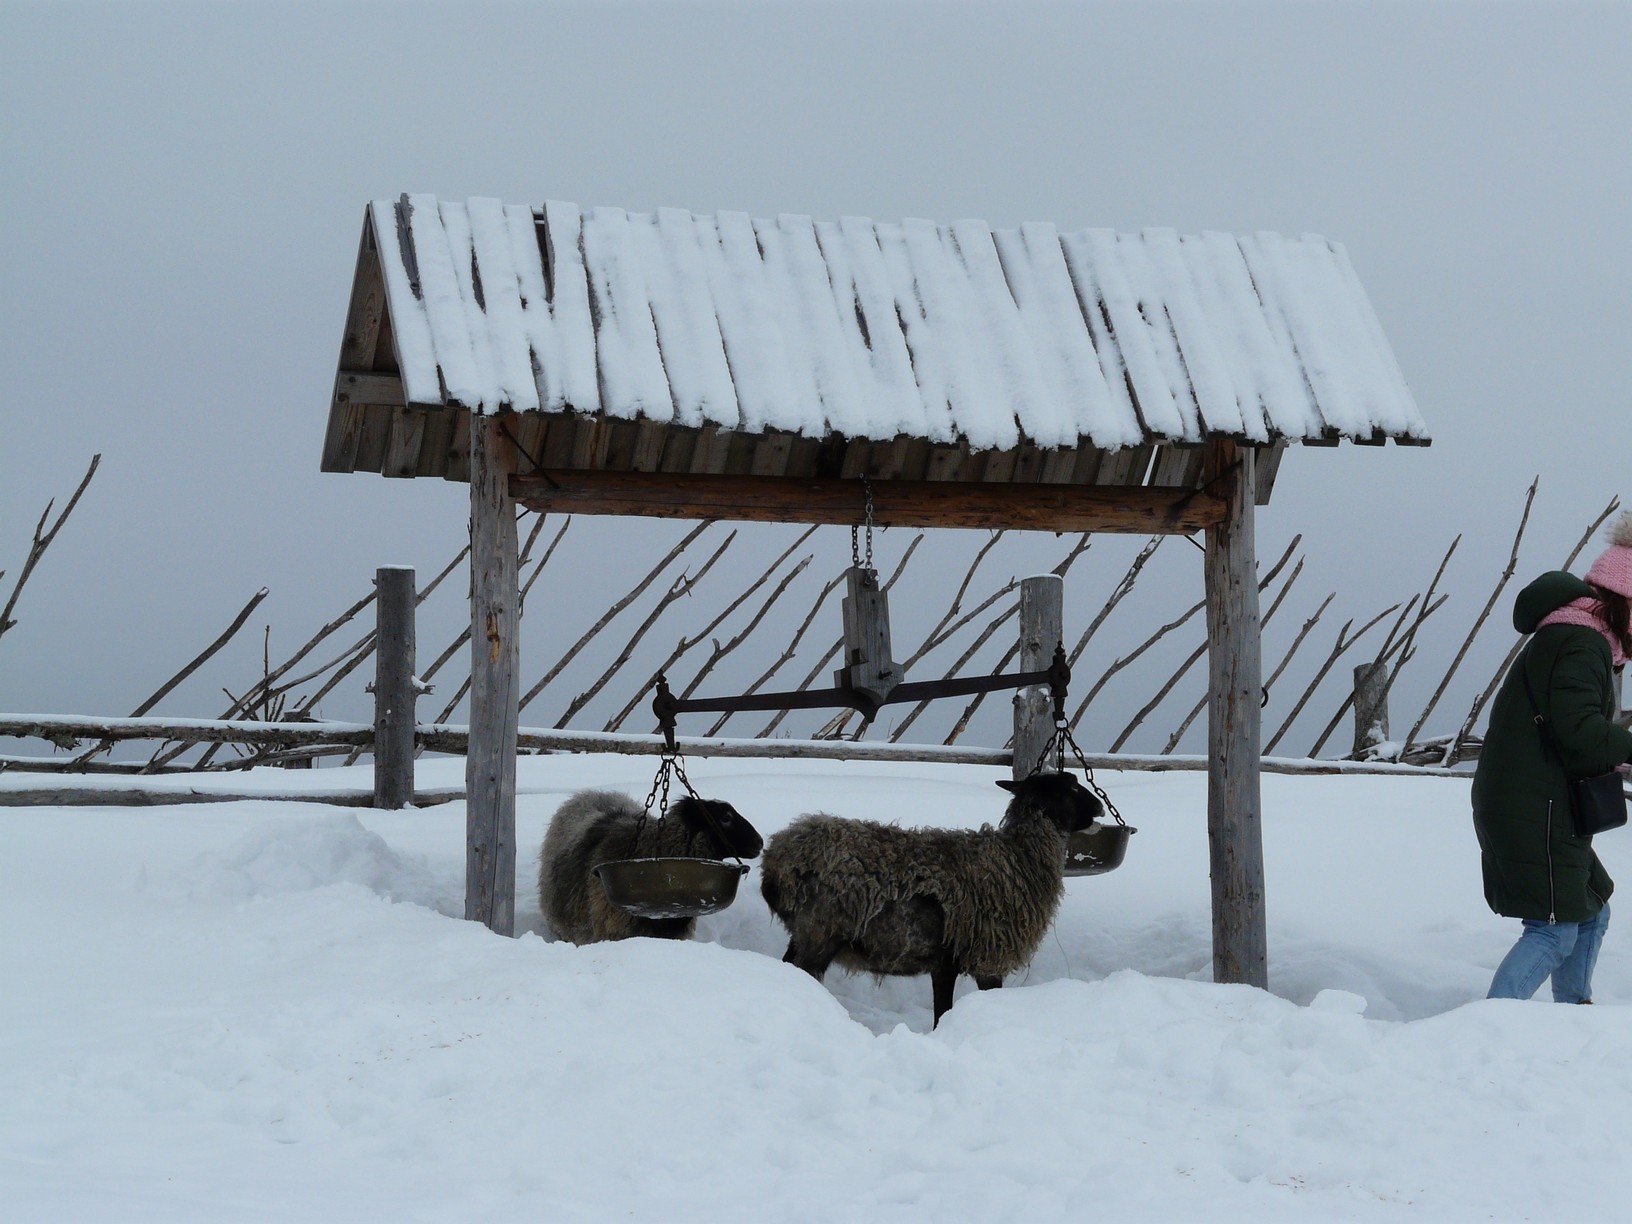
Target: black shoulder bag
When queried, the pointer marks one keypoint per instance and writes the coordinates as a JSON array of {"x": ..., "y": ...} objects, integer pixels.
[{"x": 1596, "y": 804}]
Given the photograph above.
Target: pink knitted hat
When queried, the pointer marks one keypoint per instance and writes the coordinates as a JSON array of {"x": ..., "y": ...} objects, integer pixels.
[{"x": 1613, "y": 570}]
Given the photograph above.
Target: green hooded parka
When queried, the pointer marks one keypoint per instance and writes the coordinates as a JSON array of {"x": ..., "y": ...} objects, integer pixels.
[{"x": 1534, "y": 866}]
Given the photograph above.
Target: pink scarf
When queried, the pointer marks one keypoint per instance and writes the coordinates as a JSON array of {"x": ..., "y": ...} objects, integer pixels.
[{"x": 1584, "y": 612}]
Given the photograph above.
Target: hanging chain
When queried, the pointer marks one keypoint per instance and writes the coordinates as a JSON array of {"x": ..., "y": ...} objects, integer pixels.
[
  {"x": 1057, "y": 743},
  {"x": 669, "y": 767},
  {"x": 855, "y": 541}
]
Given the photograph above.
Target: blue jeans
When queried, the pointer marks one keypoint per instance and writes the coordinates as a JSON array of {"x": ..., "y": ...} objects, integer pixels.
[{"x": 1563, "y": 951}]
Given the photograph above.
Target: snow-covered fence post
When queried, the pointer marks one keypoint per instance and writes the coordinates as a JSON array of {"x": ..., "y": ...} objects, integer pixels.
[
  {"x": 1042, "y": 604},
  {"x": 1370, "y": 706},
  {"x": 395, "y": 688}
]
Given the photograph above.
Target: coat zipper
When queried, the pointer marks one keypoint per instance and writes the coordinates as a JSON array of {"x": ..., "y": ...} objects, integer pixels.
[{"x": 1552, "y": 889}]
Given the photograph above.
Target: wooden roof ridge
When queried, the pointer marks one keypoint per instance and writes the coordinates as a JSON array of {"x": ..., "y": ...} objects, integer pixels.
[{"x": 886, "y": 348}]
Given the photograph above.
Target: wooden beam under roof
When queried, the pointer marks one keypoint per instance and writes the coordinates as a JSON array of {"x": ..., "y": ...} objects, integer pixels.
[{"x": 896, "y": 503}]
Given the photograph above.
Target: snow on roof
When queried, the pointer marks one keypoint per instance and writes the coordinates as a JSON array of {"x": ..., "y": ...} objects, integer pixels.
[{"x": 879, "y": 330}]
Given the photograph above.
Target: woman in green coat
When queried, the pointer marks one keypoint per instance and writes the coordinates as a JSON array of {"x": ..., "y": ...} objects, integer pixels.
[{"x": 1535, "y": 868}]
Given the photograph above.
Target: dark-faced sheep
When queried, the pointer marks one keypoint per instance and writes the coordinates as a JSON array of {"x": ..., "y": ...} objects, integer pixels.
[
  {"x": 890, "y": 901},
  {"x": 597, "y": 826}
]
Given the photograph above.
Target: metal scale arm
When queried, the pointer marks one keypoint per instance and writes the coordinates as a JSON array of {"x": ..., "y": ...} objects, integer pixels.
[{"x": 666, "y": 706}]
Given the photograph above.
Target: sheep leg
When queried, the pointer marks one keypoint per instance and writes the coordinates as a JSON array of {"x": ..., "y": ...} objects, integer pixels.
[
  {"x": 988, "y": 981},
  {"x": 813, "y": 964},
  {"x": 942, "y": 979}
]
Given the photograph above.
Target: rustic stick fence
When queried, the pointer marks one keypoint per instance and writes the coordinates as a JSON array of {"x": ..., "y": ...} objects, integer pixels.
[{"x": 274, "y": 719}]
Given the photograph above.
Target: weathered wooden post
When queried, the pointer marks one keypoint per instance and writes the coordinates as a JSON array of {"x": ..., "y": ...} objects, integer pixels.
[
  {"x": 395, "y": 688},
  {"x": 1042, "y": 617},
  {"x": 868, "y": 667},
  {"x": 490, "y": 763},
  {"x": 1370, "y": 705},
  {"x": 1235, "y": 669}
]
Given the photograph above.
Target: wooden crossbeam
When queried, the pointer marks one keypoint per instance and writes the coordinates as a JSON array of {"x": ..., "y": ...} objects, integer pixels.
[{"x": 896, "y": 503}]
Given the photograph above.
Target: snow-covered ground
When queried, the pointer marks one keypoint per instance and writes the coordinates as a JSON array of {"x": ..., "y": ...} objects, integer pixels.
[{"x": 271, "y": 1011}]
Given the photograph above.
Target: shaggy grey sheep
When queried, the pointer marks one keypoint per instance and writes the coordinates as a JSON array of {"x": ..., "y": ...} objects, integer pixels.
[
  {"x": 899, "y": 902},
  {"x": 597, "y": 826}
]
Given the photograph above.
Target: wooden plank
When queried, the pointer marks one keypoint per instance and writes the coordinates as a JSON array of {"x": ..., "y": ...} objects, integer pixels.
[
  {"x": 995, "y": 466},
  {"x": 354, "y": 391},
  {"x": 858, "y": 454},
  {"x": 560, "y": 436},
  {"x": 897, "y": 503},
  {"x": 433, "y": 451},
  {"x": 1028, "y": 464},
  {"x": 914, "y": 459},
  {"x": 1124, "y": 467},
  {"x": 679, "y": 445},
  {"x": 649, "y": 440},
  {"x": 371, "y": 442},
  {"x": 368, "y": 387},
  {"x": 622, "y": 437},
  {"x": 946, "y": 462},
  {"x": 1042, "y": 612},
  {"x": 1235, "y": 676},
  {"x": 771, "y": 454},
  {"x": 1177, "y": 466},
  {"x": 344, "y": 435},
  {"x": 403, "y": 443},
  {"x": 829, "y": 456},
  {"x": 1085, "y": 471},
  {"x": 889, "y": 458},
  {"x": 490, "y": 767},
  {"x": 459, "y": 447},
  {"x": 590, "y": 442},
  {"x": 1058, "y": 465},
  {"x": 741, "y": 448},
  {"x": 803, "y": 456},
  {"x": 530, "y": 429},
  {"x": 357, "y": 347},
  {"x": 1269, "y": 463},
  {"x": 395, "y": 689}
]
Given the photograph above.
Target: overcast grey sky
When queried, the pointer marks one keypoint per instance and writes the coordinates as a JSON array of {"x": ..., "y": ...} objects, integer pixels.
[{"x": 183, "y": 188}]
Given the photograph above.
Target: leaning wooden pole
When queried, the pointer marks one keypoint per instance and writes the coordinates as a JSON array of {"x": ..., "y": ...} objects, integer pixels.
[
  {"x": 490, "y": 766},
  {"x": 1234, "y": 653}
]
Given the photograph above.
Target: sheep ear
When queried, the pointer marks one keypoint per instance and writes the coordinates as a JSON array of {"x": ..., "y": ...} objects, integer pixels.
[
  {"x": 1009, "y": 785},
  {"x": 685, "y": 808}
]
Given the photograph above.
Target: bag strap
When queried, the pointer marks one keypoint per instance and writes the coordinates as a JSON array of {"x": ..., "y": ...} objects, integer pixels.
[{"x": 1541, "y": 723}]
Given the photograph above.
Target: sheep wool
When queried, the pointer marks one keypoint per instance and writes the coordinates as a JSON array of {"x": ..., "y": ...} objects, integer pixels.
[
  {"x": 600, "y": 826},
  {"x": 889, "y": 901}
]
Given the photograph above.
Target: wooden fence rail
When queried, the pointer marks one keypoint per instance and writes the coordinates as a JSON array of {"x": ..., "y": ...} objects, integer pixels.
[{"x": 65, "y": 730}]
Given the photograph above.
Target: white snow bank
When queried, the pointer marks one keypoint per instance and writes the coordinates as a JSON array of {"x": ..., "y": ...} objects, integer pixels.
[
  {"x": 298, "y": 855},
  {"x": 263, "y": 1012}
]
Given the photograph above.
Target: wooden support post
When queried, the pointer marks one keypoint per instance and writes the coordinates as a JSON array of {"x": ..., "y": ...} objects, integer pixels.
[
  {"x": 490, "y": 764},
  {"x": 1235, "y": 666},
  {"x": 1042, "y": 618},
  {"x": 395, "y": 688},
  {"x": 1370, "y": 705}
]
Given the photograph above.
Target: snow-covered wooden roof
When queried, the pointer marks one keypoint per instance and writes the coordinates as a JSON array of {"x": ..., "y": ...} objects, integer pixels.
[{"x": 870, "y": 334}]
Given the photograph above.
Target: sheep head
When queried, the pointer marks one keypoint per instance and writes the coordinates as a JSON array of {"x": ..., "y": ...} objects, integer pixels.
[
  {"x": 1058, "y": 796},
  {"x": 742, "y": 840}
]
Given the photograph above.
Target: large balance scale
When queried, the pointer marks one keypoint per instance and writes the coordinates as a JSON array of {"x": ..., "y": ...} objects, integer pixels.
[{"x": 869, "y": 681}]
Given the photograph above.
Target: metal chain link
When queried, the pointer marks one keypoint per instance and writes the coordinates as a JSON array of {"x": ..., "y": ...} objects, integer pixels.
[
  {"x": 855, "y": 542},
  {"x": 1057, "y": 744},
  {"x": 669, "y": 766}
]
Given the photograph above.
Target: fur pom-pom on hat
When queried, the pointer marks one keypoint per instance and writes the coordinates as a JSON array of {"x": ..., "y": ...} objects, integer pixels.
[{"x": 1613, "y": 570}]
